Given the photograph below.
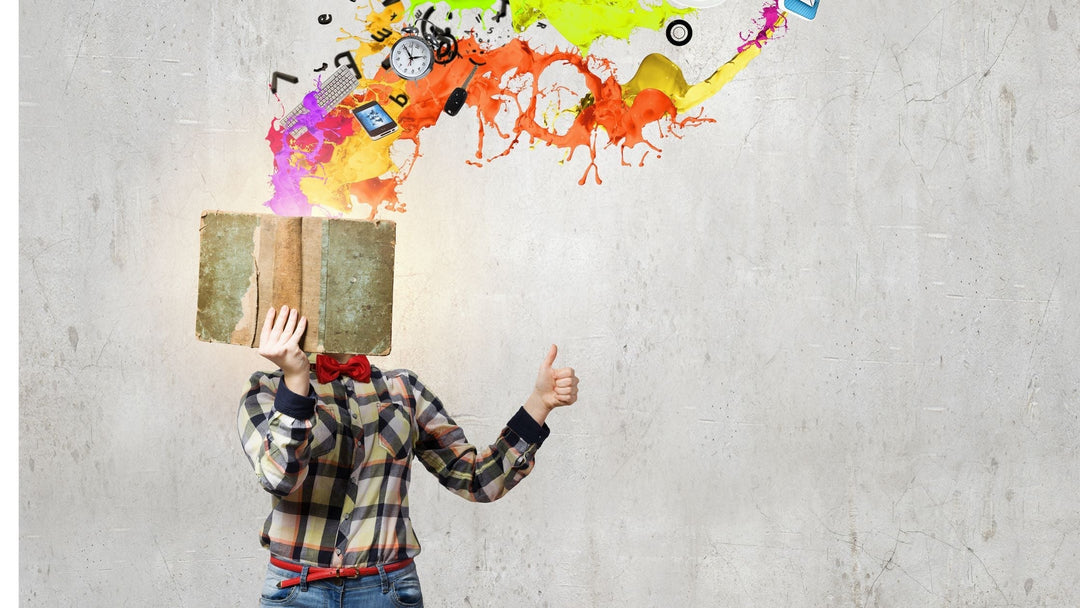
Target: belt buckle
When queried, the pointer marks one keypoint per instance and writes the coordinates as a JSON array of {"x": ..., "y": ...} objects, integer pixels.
[{"x": 355, "y": 572}]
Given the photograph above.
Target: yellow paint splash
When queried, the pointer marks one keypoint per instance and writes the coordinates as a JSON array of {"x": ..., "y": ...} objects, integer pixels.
[{"x": 660, "y": 73}]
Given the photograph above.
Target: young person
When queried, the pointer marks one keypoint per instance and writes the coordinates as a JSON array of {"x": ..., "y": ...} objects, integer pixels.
[{"x": 334, "y": 447}]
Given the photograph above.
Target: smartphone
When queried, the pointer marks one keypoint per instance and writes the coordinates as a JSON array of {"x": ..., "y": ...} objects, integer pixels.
[
  {"x": 807, "y": 9},
  {"x": 375, "y": 120}
]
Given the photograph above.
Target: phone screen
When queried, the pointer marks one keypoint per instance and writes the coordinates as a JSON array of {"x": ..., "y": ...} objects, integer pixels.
[{"x": 375, "y": 120}]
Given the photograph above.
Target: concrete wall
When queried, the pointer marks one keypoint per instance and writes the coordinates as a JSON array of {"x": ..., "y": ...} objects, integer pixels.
[{"x": 828, "y": 344}]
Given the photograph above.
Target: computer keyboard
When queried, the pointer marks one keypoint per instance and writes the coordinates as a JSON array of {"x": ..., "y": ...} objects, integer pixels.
[{"x": 336, "y": 88}]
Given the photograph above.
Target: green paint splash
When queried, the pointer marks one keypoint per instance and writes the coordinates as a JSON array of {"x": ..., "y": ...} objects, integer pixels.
[
  {"x": 335, "y": 165},
  {"x": 581, "y": 22}
]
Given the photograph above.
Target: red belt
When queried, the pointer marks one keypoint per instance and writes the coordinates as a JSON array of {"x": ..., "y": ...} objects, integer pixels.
[{"x": 318, "y": 574}]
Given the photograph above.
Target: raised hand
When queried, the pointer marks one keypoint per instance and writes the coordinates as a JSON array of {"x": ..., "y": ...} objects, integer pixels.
[
  {"x": 555, "y": 387},
  {"x": 279, "y": 342}
]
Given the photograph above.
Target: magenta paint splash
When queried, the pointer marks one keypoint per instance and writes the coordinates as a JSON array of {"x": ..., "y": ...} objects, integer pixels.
[
  {"x": 293, "y": 160},
  {"x": 765, "y": 26},
  {"x": 335, "y": 165}
]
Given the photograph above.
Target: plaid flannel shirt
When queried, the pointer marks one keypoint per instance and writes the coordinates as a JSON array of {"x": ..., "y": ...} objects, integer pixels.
[{"x": 337, "y": 463}]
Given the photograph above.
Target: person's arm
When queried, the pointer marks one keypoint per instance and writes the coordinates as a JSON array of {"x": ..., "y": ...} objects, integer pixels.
[
  {"x": 275, "y": 429},
  {"x": 277, "y": 411},
  {"x": 488, "y": 474}
]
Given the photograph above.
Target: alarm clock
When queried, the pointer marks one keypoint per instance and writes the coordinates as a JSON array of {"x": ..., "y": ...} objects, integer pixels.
[{"x": 412, "y": 56}]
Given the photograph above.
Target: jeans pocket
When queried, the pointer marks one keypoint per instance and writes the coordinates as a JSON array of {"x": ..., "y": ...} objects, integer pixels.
[
  {"x": 405, "y": 592},
  {"x": 274, "y": 596}
]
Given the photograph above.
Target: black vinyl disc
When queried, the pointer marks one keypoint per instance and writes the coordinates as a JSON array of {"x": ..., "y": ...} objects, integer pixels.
[{"x": 679, "y": 32}]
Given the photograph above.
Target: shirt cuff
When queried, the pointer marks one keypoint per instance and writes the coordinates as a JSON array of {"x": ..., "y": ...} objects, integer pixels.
[
  {"x": 523, "y": 425},
  {"x": 291, "y": 404}
]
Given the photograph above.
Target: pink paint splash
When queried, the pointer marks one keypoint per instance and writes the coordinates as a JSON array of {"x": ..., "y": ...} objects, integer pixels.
[
  {"x": 335, "y": 164},
  {"x": 771, "y": 18},
  {"x": 293, "y": 163}
]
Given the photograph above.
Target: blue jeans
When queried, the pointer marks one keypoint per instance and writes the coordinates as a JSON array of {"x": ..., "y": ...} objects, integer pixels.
[{"x": 398, "y": 589}]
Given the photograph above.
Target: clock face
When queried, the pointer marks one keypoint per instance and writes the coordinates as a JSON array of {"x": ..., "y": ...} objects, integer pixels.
[{"x": 411, "y": 58}]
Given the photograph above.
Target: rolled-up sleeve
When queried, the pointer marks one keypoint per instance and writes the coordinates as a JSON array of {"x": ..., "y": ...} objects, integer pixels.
[
  {"x": 275, "y": 429},
  {"x": 477, "y": 474}
]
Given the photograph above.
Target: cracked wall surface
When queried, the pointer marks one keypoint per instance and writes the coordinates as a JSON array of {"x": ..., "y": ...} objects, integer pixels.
[{"x": 827, "y": 344}]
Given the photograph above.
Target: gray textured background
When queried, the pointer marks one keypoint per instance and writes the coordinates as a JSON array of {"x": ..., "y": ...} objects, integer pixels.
[{"x": 828, "y": 344}]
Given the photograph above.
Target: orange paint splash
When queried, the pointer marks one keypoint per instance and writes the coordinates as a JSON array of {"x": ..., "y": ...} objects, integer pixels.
[
  {"x": 336, "y": 164},
  {"x": 493, "y": 95}
]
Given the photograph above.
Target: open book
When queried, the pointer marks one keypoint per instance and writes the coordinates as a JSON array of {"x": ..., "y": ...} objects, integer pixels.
[{"x": 338, "y": 273}]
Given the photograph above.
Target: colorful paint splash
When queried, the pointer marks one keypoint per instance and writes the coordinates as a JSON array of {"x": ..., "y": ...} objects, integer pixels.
[
  {"x": 336, "y": 165},
  {"x": 765, "y": 27},
  {"x": 660, "y": 73},
  {"x": 583, "y": 21}
]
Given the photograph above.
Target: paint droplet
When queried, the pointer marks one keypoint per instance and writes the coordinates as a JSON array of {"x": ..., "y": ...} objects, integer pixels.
[
  {"x": 1029, "y": 583},
  {"x": 1051, "y": 20},
  {"x": 73, "y": 337}
]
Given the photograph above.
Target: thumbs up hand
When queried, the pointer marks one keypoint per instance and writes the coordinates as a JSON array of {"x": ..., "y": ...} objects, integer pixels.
[{"x": 555, "y": 387}]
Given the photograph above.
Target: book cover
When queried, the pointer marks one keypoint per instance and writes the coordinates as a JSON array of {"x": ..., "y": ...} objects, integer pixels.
[{"x": 339, "y": 273}]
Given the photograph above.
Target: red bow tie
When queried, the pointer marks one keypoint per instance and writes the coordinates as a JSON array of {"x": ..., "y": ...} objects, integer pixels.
[{"x": 328, "y": 369}]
